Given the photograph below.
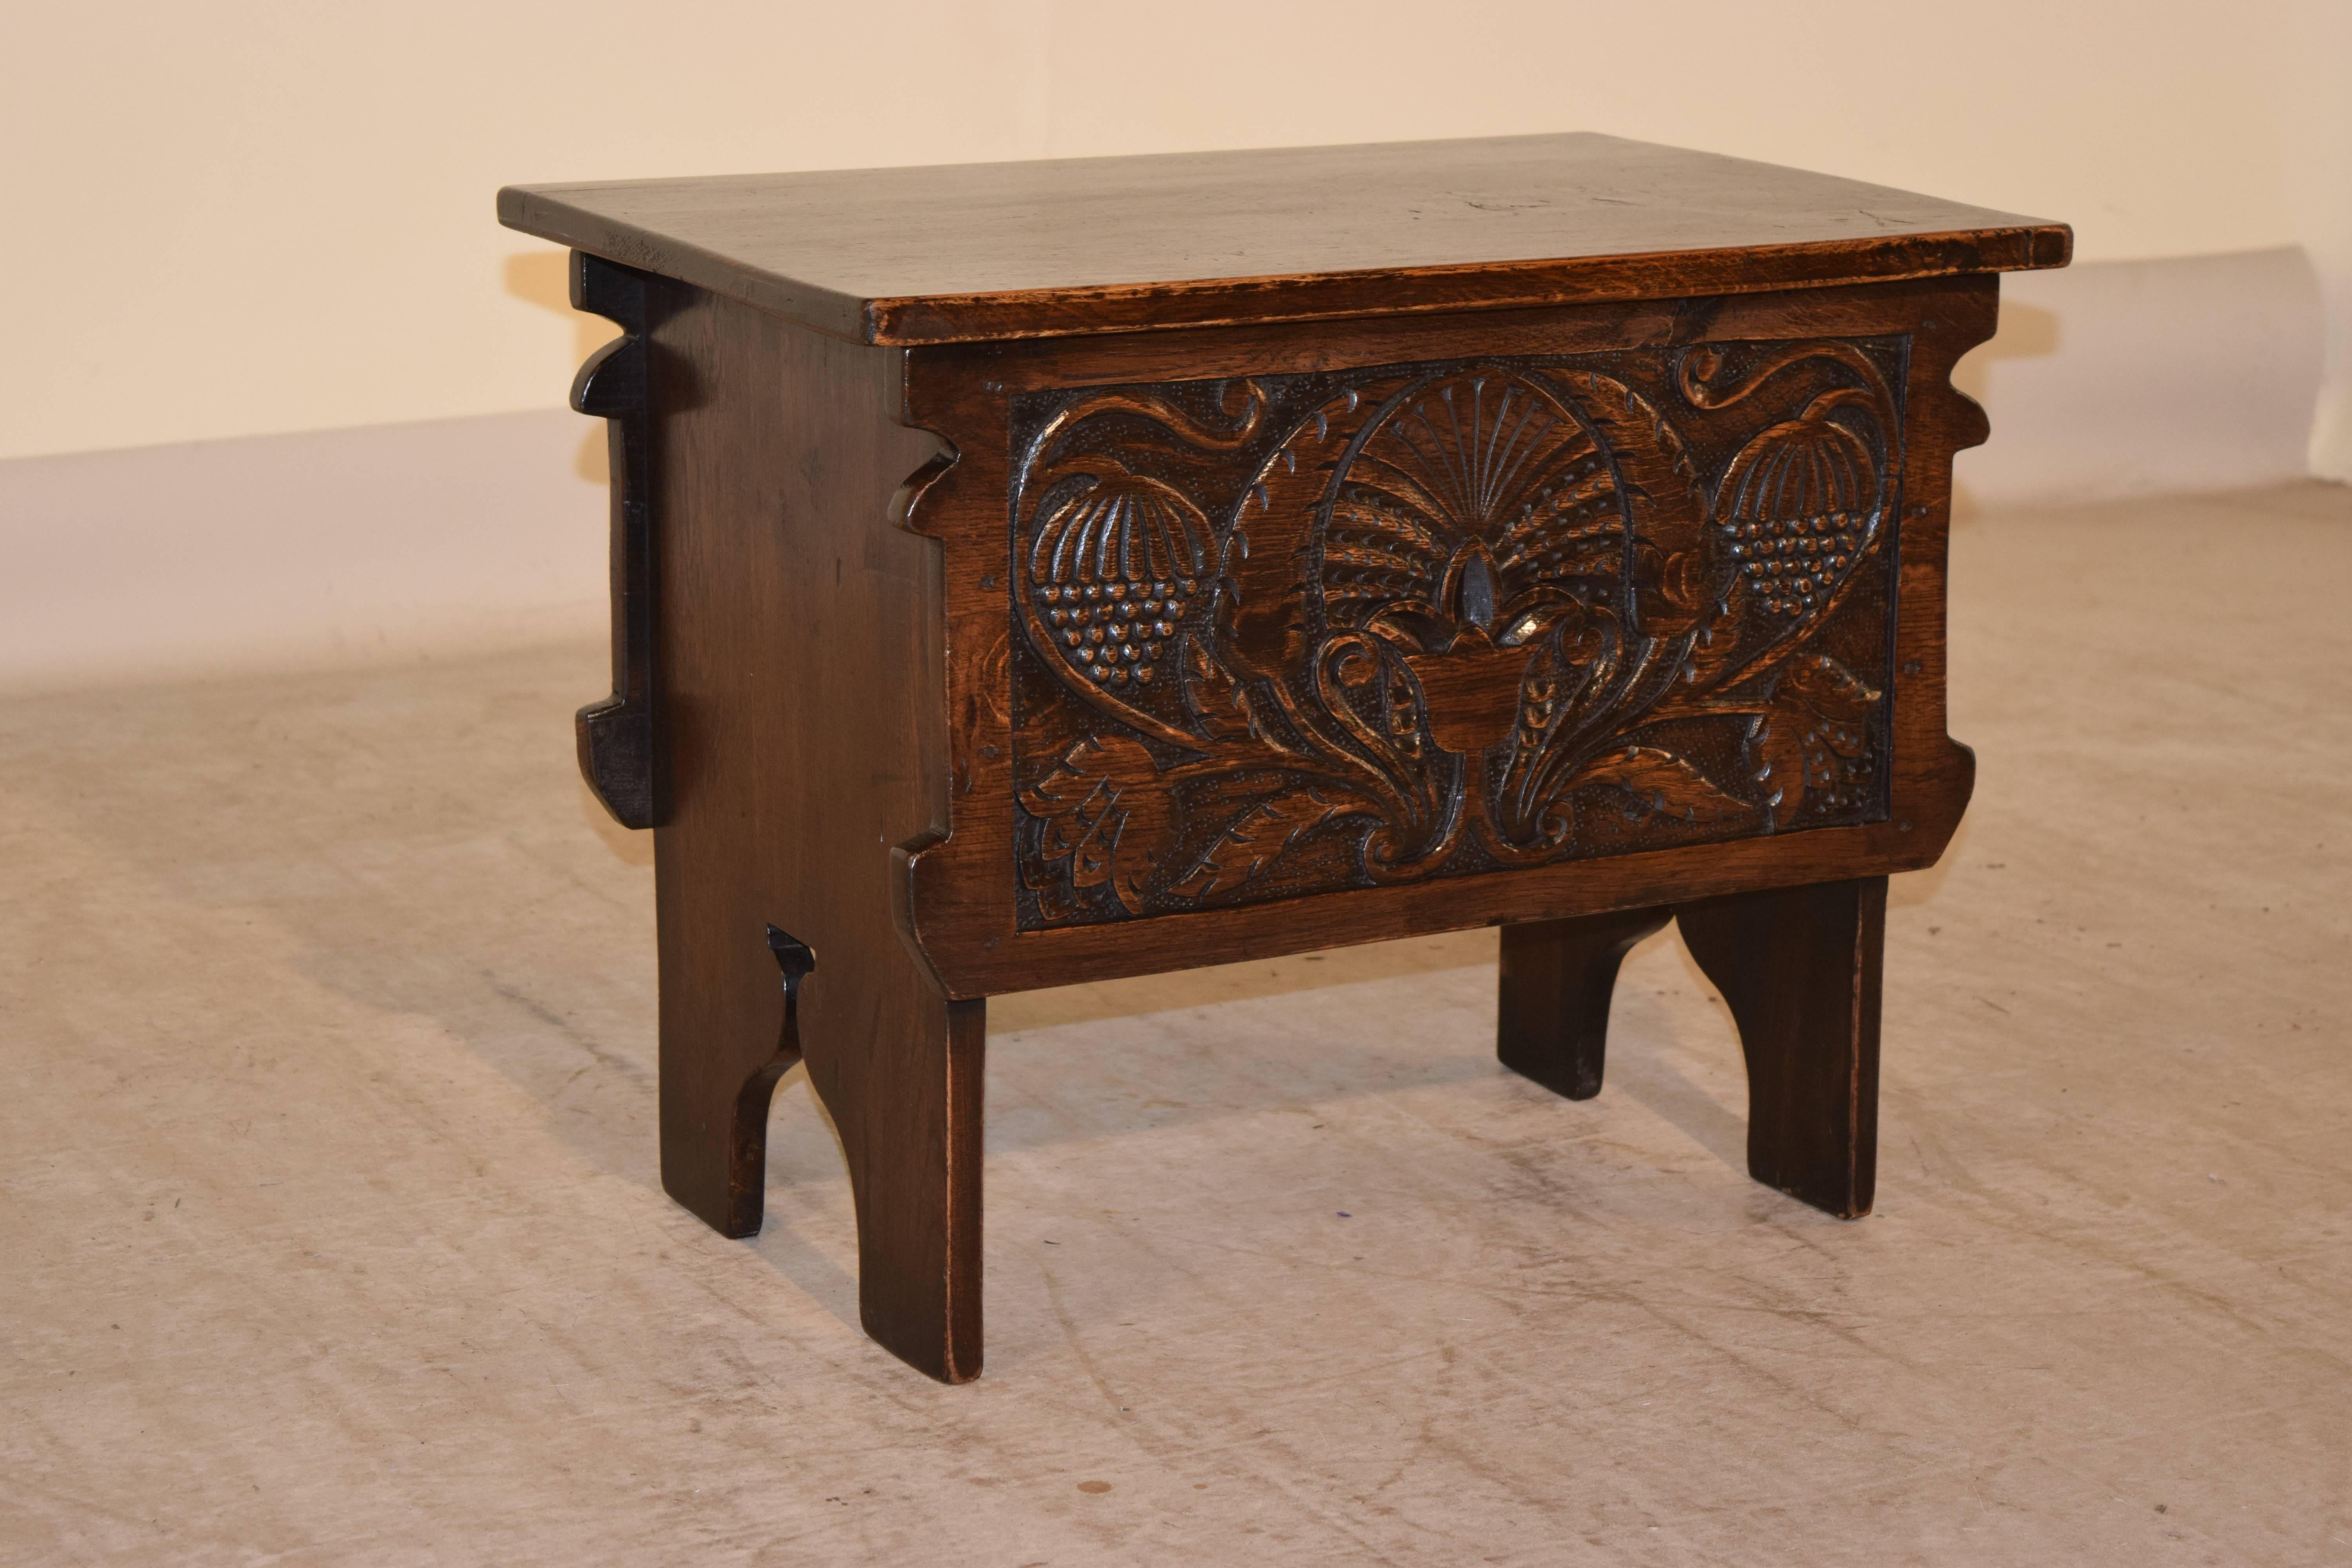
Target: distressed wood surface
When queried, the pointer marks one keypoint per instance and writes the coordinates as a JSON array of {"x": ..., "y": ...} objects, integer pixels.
[
  {"x": 1036, "y": 574},
  {"x": 968, "y": 890},
  {"x": 798, "y": 659},
  {"x": 614, "y": 737},
  {"x": 1285, "y": 635},
  {"x": 1800, "y": 968},
  {"x": 968, "y": 252},
  {"x": 1552, "y": 994}
]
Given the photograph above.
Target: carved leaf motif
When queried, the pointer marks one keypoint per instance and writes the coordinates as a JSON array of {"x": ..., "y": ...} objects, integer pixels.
[
  {"x": 1263, "y": 560},
  {"x": 1107, "y": 812},
  {"x": 1255, "y": 839},
  {"x": 1118, "y": 560},
  {"x": 1775, "y": 750},
  {"x": 1446, "y": 597},
  {"x": 1123, "y": 528},
  {"x": 1814, "y": 737},
  {"x": 1219, "y": 704},
  {"x": 1666, "y": 783},
  {"x": 1159, "y": 411},
  {"x": 1112, "y": 570},
  {"x": 1673, "y": 568},
  {"x": 1830, "y": 688},
  {"x": 1800, "y": 506}
]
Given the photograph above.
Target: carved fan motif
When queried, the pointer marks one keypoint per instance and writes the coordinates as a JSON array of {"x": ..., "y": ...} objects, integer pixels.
[
  {"x": 1475, "y": 514},
  {"x": 1479, "y": 504},
  {"x": 1422, "y": 621}
]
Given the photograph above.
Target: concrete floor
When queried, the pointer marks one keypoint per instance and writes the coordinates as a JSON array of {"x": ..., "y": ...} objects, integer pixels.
[{"x": 332, "y": 1231}]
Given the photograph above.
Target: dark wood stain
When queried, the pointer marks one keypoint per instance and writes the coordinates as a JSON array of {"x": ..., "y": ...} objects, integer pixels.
[
  {"x": 799, "y": 661},
  {"x": 1552, "y": 995},
  {"x": 876, "y": 759},
  {"x": 1799, "y": 968},
  {"x": 967, "y": 252},
  {"x": 1282, "y": 635},
  {"x": 616, "y": 736},
  {"x": 966, "y": 894}
]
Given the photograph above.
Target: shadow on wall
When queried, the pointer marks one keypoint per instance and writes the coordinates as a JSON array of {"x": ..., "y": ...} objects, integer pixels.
[
  {"x": 398, "y": 542},
  {"x": 2106, "y": 380},
  {"x": 2027, "y": 332},
  {"x": 543, "y": 277},
  {"x": 383, "y": 544},
  {"x": 2122, "y": 378}
]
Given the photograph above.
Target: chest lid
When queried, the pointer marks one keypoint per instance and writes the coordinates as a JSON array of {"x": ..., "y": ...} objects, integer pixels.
[{"x": 979, "y": 251}]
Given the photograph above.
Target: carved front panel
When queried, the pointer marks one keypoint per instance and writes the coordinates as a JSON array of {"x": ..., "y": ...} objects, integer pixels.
[{"x": 1294, "y": 634}]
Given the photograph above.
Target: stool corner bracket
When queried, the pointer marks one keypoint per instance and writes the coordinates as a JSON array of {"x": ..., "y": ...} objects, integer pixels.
[
  {"x": 616, "y": 734},
  {"x": 616, "y": 743}
]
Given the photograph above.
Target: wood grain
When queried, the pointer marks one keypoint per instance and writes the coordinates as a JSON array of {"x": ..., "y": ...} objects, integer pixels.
[
  {"x": 1799, "y": 968},
  {"x": 799, "y": 661},
  {"x": 616, "y": 737},
  {"x": 1008, "y": 560},
  {"x": 1282, "y": 635},
  {"x": 1551, "y": 1020},
  {"x": 971, "y": 252},
  {"x": 965, "y": 892}
]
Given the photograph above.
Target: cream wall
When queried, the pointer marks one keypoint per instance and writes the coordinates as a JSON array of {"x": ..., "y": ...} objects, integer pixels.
[{"x": 233, "y": 219}]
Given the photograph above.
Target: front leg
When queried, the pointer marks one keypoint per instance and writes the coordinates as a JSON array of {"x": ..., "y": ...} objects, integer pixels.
[
  {"x": 897, "y": 1066},
  {"x": 1799, "y": 968}
]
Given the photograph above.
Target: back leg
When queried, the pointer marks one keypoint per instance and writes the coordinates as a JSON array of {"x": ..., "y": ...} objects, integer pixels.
[{"x": 1552, "y": 1023}]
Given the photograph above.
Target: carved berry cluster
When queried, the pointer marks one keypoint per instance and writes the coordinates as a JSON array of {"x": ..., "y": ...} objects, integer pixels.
[
  {"x": 1115, "y": 631},
  {"x": 1789, "y": 562}
]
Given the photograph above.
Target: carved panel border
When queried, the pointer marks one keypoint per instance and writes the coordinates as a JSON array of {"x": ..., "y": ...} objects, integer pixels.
[{"x": 1290, "y": 633}]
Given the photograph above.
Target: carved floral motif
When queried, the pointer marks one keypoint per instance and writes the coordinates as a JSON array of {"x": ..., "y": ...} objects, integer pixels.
[{"x": 1292, "y": 634}]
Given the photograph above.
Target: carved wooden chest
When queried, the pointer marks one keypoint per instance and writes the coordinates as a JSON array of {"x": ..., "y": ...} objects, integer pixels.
[{"x": 1026, "y": 574}]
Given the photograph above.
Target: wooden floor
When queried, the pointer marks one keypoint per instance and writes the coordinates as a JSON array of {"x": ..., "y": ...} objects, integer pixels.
[{"x": 330, "y": 1230}]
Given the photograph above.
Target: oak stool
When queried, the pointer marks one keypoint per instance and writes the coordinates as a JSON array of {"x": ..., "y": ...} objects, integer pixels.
[{"x": 1027, "y": 574}]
